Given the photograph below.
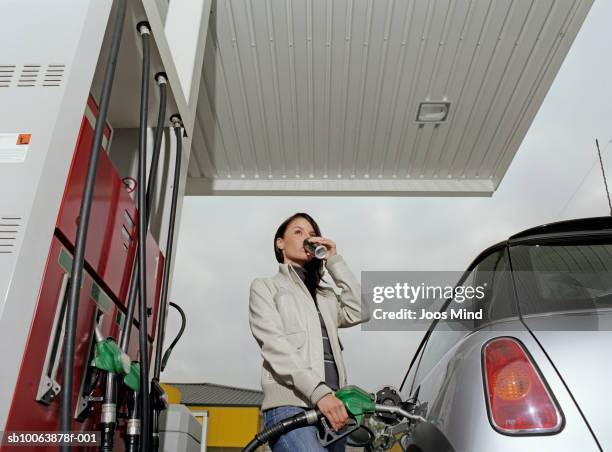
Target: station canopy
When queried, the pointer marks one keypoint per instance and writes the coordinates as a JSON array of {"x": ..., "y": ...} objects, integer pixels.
[{"x": 372, "y": 98}]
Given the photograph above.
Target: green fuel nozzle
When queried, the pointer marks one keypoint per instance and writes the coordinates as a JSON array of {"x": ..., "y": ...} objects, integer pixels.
[
  {"x": 110, "y": 358},
  {"x": 357, "y": 401},
  {"x": 132, "y": 378}
]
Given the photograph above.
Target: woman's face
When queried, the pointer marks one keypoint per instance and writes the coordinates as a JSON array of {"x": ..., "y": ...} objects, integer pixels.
[{"x": 292, "y": 243}]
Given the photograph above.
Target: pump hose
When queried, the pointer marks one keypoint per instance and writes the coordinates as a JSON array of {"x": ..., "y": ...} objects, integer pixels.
[
  {"x": 309, "y": 417},
  {"x": 178, "y": 335},
  {"x": 81, "y": 236},
  {"x": 142, "y": 242},
  {"x": 159, "y": 363},
  {"x": 161, "y": 316}
]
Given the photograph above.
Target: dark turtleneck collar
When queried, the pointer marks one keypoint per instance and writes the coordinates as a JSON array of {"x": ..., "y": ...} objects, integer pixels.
[{"x": 301, "y": 271}]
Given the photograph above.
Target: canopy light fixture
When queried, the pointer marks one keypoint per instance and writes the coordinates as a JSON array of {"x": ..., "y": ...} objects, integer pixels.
[{"x": 433, "y": 111}]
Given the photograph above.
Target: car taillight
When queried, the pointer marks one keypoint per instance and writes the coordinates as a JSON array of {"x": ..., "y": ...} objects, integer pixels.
[{"x": 519, "y": 401}]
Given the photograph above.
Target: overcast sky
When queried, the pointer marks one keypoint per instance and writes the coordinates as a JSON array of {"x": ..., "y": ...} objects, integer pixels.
[{"x": 225, "y": 242}]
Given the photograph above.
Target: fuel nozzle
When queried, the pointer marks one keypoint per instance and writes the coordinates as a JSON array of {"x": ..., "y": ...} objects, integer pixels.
[
  {"x": 110, "y": 358},
  {"x": 358, "y": 403}
]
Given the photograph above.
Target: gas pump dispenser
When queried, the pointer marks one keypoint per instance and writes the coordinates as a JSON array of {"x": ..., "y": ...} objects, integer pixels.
[{"x": 83, "y": 257}]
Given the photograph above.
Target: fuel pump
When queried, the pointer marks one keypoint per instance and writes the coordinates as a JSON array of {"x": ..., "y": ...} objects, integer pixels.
[{"x": 111, "y": 362}]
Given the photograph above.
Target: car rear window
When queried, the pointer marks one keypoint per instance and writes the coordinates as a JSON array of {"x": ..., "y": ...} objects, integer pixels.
[{"x": 563, "y": 276}]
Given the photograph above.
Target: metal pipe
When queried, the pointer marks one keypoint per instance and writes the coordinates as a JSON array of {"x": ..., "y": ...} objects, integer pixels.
[
  {"x": 82, "y": 228},
  {"x": 380, "y": 408}
]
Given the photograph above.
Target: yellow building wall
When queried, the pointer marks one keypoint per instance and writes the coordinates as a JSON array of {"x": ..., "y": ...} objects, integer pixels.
[
  {"x": 173, "y": 394},
  {"x": 229, "y": 426}
]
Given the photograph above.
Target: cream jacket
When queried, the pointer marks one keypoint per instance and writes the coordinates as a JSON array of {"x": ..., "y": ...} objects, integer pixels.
[{"x": 284, "y": 321}]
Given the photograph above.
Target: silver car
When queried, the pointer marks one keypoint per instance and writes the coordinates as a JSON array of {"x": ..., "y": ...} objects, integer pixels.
[{"x": 535, "y": 374}]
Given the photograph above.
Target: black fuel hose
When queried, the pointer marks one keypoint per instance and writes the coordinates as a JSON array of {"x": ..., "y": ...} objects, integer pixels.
[
  {"x": 161, "y": 316},
  {"x": 145, "y": 431},
  {"x": 160, "y": 78},
  {"x": 178, "y": 335},
  {"x": 309, "y": 417},
  {"x": 82, "y": 228}
]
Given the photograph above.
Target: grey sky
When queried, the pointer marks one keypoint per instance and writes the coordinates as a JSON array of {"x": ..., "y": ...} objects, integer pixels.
[{"x": 225, "y": 242}]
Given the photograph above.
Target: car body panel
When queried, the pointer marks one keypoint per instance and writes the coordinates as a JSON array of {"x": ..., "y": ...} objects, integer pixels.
[
  {"x": 583, "y": 361},
  {"x": 454, "y": 395}
]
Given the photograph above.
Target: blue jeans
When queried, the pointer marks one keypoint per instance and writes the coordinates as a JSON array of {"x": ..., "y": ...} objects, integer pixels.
[{"x": 303, "y": 439}]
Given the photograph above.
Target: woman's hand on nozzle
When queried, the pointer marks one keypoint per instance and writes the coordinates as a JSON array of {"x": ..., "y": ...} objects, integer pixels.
[{"x": 334, "y": 410}]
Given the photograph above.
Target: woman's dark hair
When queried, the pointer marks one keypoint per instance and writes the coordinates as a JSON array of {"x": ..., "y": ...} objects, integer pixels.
[{"x": 314, "y": 268}]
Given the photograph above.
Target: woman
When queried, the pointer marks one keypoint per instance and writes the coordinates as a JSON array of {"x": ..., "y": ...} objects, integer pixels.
[{"x": 295, "y": 321}]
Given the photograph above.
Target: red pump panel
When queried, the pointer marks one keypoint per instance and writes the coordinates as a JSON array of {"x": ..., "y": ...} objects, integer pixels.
[
  {"x": 28, "y": 414},
  {"x": 110, "y": 241}
]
